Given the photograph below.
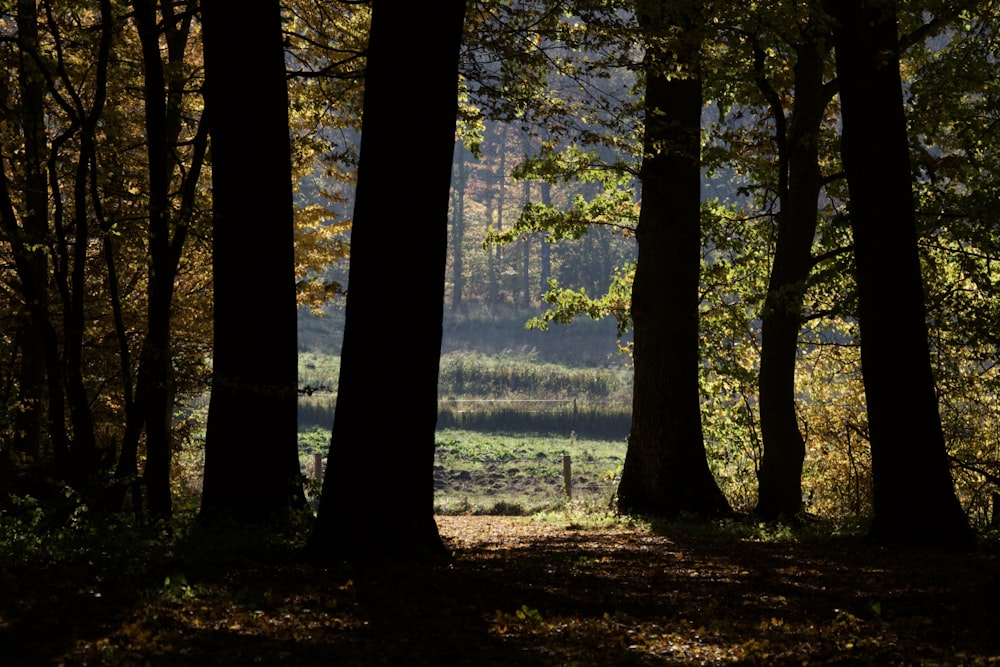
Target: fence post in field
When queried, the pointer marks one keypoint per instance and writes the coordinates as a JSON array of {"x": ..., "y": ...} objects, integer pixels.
[
  {"x": 318, "y": 467},
  {"x": 568, "y": 475}
]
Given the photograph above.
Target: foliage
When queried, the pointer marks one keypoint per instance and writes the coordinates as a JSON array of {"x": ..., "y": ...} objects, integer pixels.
[
  {"x": 550, "y": 114},
  {"x": 326, "y": 51},
  {"x": 950, "y": 56}
]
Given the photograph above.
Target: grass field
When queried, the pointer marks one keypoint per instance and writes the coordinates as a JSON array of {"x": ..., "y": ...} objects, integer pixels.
[
  {"x": 521, "y": 474},
  {"x": 510, "y": 473},
  {"x": 505, "y": 424}
]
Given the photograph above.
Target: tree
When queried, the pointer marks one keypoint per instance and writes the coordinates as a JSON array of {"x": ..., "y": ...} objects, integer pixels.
[
  {"x": 461, "y": 179},
  {"x": 666, "y": 472},
  {"x": 799, "y": 185},
  {"x": 951, "y": 115},
  {"x": 378, "y": 496},
  {"x": 152, "y": 405},
  {"x": 913, "y": 495},
  {"x": 30, "y": 260},
  {"x": 251, "y": 449},
  {"x": 64, "y": 231}
]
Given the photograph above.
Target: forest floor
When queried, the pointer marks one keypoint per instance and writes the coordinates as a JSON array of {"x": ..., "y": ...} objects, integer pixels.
[{"x": 527, "y": 593}]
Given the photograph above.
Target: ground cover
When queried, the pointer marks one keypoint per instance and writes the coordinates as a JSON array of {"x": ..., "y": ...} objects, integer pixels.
[
  {"x": 523, "y": 474},
  {"x": 521, "y": 592}
]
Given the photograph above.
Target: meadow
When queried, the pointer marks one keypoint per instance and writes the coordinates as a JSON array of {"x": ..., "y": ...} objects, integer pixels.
[{"x": 506, "y": 422}]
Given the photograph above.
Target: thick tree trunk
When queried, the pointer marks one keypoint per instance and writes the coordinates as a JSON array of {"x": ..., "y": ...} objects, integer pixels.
[
  {"x": 666, "y": 472},
  {"x": 780, "y": 475},
  {"x": 378, "y": 497},
  {"x": 914, "y": 498},
  {"x": 251, "y": 448}
]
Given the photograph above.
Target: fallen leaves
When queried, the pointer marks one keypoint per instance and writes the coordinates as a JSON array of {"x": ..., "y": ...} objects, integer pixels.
[{"x": 531, "y": 592}]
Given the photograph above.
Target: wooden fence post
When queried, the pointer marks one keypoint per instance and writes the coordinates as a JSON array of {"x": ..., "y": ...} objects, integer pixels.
[
  {"x": 318, "y": 467},
  {"x": 568, "y": 475}
]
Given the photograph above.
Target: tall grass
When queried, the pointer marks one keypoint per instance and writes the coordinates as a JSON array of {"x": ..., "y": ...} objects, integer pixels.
[
  {"x": 608, "y": 420},
  {"x": 481, "y": 376},
  {"x": 496, "y": 393}
]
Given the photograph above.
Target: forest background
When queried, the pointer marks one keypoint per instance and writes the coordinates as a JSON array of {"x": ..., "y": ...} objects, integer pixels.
[{"x": 107, "y": 343}]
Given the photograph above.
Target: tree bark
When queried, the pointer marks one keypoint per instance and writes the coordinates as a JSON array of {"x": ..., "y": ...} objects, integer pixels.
[
  {"x": 74, "y": 243},
  {"x": 666, "y": 472},
  {"x": 378, "y": 497},
  {"x": 33, "y": 267},
  {"x": 780, "y": 474},
  {"x": 251, "y": 449},
  {"x": 913, "y": 498}
]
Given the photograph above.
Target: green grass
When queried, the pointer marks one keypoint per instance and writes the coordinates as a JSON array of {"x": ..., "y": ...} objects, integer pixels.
[
  {"x": 522, "y": 474},
  {"x": 505, "y": 423},
  {"x": 318, "y": 372},
  {"x": 509, "y": 473}
]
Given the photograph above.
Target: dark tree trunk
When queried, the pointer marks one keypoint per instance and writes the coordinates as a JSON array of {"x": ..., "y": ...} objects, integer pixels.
[
  {"x": 914, "y": 498},
  {"x": 154, "y": 369},
  {"x": 162, "y": 98},
  {"x": 151, "y": 404},
  {"x": 73, "y": 283},
  {"x": 378, "y": 497},
  {"x": 780, "y": 474},
  {"x": 33, "y": 267},
  {"x": 666, "y": 472},
  {"x": 251, "y": 449}
]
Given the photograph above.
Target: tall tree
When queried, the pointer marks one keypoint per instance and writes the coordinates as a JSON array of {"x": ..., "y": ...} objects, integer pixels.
[
  {"x": 378, "y": 496},
  {"x": 460, "y": 181},
  {"x": 666, "y": 472},
  {"x": 799, "y": 184},
  {"x": 162, "y": 94},
  {"x": 913, "y": 495},
  {"x": 251, "y": 449},
  {"x": 32, "y": 264}
]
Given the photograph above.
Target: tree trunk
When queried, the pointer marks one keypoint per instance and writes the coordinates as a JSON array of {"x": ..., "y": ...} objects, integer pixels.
[
  {"x": 914, "y": 498},
  {"x": 84, "y": 454},
  {"x": 251, "y": 448},
  {"x": 458, "y": 229},
  {"x": 378, "y": 497},
  {"x": 155, "y": 367},
  {"x": 545, "y": 271},
  {"x": 780, "y": 475},
  {"x": 666, "y": 472},
  {"x": 33, "y": 270}
]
